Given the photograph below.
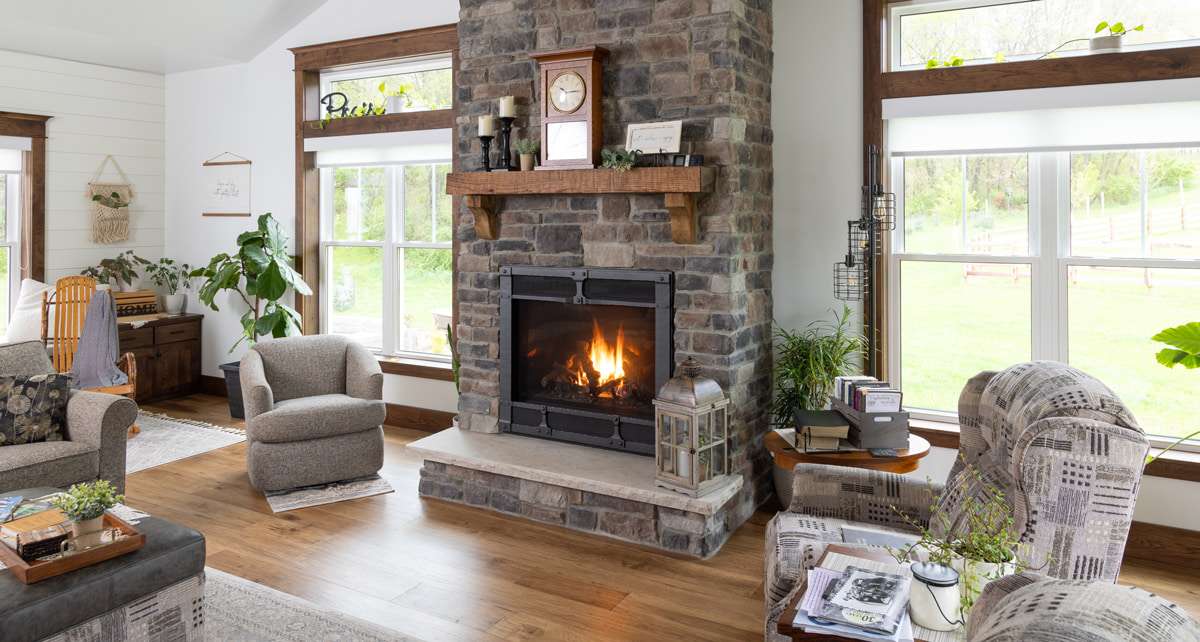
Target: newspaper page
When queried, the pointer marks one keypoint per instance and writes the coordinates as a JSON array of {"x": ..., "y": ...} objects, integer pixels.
[{"x": 867, "y": 599}]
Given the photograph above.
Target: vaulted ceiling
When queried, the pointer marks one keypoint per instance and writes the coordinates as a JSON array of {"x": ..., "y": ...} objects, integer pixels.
[{"x": 158, "y": 36}]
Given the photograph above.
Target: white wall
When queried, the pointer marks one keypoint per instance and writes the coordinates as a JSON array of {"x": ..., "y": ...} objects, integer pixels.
[
  {"x": 248, "y": 109},
  {"x": 817, "y": 119},
  {"x": 96, "y": 111}
]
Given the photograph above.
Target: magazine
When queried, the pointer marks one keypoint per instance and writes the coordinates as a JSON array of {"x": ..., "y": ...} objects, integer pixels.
[{"x": 866, "y": 599}]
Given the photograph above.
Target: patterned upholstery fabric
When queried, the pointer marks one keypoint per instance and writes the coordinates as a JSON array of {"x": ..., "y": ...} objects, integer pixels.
[
  {"x": 34, "y": 407},
  {"x": 1029, "y": 607},
  {"x": 1063, "y": 449}
]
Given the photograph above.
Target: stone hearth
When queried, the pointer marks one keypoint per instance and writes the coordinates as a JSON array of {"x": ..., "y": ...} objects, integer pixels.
[{"x": 707, "y": 63}]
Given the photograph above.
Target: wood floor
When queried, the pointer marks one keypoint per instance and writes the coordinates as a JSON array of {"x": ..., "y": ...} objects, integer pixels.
[{"x": 441, "y": 571}]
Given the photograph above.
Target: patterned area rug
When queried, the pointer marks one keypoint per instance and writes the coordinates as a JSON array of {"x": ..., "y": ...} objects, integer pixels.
[
  {"x": 285, "y": 500},
  {"x": 237, "y": 609},
  {"x": 165, "y": 439}
]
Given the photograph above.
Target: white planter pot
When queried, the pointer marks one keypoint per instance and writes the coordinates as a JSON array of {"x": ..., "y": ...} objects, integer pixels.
[
  {"x": 1105, "y": 44},
  {"x": 974, "y": 575},
  {"x": 174, "y": 302},
  {"x": 398, "y": 104},
  {"x": 134, "y": 284}
]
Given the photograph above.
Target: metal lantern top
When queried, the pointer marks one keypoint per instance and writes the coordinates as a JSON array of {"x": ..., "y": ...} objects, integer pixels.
[{"x": 690, "y": 389}]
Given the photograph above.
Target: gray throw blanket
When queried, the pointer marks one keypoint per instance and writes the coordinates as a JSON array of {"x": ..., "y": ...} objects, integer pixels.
[{"x": 95, "y": 360}]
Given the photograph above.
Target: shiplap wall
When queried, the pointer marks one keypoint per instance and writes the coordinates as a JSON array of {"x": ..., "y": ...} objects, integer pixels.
[{"x": 96, "y": 111}]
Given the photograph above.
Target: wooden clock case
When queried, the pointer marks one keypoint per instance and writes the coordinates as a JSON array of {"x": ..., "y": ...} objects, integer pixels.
[{"x": 585, "y": 61}]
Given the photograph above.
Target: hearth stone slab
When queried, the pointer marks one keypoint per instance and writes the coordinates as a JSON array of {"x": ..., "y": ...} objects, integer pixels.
[
  {"x": 606, "y": 472},
  {"x": 587, "y": 489}
]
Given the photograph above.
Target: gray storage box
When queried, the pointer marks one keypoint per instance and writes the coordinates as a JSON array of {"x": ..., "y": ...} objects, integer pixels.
[{"x": 875, "y": 429}]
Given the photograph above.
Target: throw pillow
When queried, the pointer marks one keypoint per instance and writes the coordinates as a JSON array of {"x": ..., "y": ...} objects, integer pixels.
[
  {"x": 26, "y": 321},
  {"x": 33, "y": 407}
]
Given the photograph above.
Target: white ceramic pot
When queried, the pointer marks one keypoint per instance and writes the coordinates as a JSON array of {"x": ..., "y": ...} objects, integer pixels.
[
  {"x": 1105, "y": 44},
  {"x": 134, "y": 284},
  {"x": 174, "y": 303},
  {"x": 974, "y": 575},
  {"x": 454, "y": 422},
  {"x": 87, "y": 532}
]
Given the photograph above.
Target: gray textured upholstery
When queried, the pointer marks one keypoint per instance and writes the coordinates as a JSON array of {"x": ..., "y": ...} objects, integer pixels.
[
  {"x": 1061, "y": 446},
  {"x": 314, "y": 411},
  {"x": 93, "y": 445},
  {"x": 31, "y": 612},
  {"x": 1030, "y": 607}
]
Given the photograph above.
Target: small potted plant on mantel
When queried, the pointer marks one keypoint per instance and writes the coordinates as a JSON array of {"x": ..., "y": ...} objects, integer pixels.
[
  {"x": 85, "y": 504},
  {"x": 527, "y": 148},
  {"x": 260, "y": 273}
]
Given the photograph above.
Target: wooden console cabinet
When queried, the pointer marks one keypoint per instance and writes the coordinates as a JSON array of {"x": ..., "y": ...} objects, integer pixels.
[{"x": 167, "y": 352}]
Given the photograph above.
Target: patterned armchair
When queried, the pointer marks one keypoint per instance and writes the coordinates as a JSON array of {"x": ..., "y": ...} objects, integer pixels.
[
  {"x": 1063, "y": 449},
  {"x": 1030, "y": 606}
]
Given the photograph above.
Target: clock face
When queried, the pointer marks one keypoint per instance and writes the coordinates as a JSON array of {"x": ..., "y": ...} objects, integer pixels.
[{"x": 567, "y": 92}]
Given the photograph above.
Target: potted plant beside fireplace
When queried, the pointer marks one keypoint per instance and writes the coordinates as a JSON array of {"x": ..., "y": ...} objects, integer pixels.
[{"x": 260, "y": 272}]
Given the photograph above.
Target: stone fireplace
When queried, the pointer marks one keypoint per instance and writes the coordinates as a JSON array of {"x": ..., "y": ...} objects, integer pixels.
[{"x": 707, "y": 63}]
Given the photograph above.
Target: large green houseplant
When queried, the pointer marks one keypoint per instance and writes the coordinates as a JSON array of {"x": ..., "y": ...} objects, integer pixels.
[
  {"x": 260, "y": 273},
  {"x": 807, "y": 361}
]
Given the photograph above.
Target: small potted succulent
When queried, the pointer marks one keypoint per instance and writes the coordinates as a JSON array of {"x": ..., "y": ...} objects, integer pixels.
[
  {"x": 176, "y": 278},
  {"x": 527, "y": 148},
  {"x": 85, "y": 504},
  {"x": 123, "y": 269}
]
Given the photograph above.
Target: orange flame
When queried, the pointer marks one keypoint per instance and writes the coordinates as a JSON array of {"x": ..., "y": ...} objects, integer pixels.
[{"x": 608, "y": 361}]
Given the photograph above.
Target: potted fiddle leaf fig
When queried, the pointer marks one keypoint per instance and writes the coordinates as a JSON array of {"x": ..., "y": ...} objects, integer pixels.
[{"x": 260, "y": 274}]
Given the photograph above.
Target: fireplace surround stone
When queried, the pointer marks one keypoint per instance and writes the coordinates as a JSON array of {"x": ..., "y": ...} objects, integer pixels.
[{"x": 705, "y": 62}]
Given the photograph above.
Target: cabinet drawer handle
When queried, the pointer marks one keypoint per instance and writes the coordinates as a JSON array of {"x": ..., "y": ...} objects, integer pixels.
[{"x": 177, "y": 331}]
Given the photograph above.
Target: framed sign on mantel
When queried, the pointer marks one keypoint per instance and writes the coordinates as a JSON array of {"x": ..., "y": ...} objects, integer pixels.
[
  {"x": 570, "y": 107},
  {"x": 226, "y": 186}
]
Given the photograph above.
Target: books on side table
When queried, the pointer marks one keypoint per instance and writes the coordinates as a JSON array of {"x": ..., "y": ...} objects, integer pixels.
[{"x": 818, "y": 430}]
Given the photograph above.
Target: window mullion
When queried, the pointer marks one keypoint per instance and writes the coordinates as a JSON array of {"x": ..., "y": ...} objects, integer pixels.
[{"x": 390, "y": 313}]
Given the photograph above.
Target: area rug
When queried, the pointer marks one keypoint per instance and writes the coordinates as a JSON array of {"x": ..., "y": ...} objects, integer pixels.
[
  {"x": 285, "y": 500},
  {"x": 237, "y": 609},
  {"x": 165, "y": 439}
]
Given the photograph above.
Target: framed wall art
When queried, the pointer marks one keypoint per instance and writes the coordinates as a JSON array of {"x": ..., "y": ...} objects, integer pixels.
[{"x": 226, "y": 185}]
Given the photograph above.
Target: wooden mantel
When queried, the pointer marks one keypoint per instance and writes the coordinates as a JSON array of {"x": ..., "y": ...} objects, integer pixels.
[{"x": 679, "y": 185}]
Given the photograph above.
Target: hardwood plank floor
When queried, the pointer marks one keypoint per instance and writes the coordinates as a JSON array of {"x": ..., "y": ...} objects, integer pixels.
[{"x": 443, "y": 571}]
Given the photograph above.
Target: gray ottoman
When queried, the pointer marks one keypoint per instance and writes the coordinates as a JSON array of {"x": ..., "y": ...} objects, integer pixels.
[{"x": 154, "y": 593}]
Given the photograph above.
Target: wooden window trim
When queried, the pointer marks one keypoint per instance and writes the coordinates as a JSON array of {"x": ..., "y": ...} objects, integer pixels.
[
  {"x": 310, "y": 61},
  {"x": 33, "y": 188},
  {"x": 1129, "y": 66},
  {"x": 416, "y": 368}
]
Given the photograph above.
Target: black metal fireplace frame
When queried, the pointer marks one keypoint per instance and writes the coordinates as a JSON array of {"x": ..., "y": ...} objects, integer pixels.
[{"x": 580, "y": 286}]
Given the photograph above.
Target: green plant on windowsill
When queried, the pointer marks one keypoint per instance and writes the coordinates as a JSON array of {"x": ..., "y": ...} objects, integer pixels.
[
  {"x": 1184, "y": 351},
  {"x": 1115, "y": 30},
  {"x": 621, "y": 160}
]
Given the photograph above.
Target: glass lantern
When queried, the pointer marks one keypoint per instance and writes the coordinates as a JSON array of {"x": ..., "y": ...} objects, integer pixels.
[{"x": 691, "y": 428}]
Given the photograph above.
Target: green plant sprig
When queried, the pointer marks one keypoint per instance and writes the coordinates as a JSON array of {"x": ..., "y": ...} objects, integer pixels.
[
  {"x": 527, "y": 146},
  {"x": 621, "y": 160},
  {"x": 807, "y": 361},
  {"x": 1117, "y": 28},
  {"x": 166, "y": 274},
  {"x": 1184, "y": 351},
  {"x": 124, "y": 267},
  {"x": 86, "y": 501},
  {"x": 113, "y": 200}
]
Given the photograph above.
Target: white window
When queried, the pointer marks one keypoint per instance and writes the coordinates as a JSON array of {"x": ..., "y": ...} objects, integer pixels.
[
  {"x": 977, "y": 30},
  {"x": 386, "y": 232},
  {"x": 1078, "y": 256},
  {"x": 10, "y": 239}
]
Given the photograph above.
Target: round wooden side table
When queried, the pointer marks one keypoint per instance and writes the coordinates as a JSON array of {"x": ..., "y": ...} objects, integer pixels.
[{"x": 787, "y": 457}]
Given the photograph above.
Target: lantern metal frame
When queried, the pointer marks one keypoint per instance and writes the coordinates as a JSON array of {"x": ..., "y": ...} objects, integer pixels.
[{"x": 691, "y": 435}]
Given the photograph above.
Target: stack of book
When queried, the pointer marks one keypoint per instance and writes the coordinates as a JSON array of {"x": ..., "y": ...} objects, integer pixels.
[
  {"x": 36, "y": 529},
  {"x": 867, "y": 394},
  {"x": 858, "y": 603},
  {"x": 872, "y": 408},
  {"x": 818, "y": 430}
]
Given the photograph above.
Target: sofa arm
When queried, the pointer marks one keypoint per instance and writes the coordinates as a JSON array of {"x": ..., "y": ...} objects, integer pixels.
[
  {"x": 364, "y": 378},
  {"x": 257, "y": 397},
  {"x": 993, "y": 592},
  {"x": 102, "y": 420},
  {"x": 860, "y": 495}
]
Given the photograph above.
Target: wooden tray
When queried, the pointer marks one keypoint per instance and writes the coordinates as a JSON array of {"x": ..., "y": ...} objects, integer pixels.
[{"x": 38, "y": 570}]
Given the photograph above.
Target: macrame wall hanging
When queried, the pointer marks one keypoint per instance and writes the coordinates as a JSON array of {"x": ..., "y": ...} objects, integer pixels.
[{"x": 110, "y": 219}]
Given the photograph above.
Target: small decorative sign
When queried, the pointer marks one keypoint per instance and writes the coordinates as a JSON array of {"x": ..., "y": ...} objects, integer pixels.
[
  {"x": 654, "y": 138},
  {"x": 226, "y": 187}
]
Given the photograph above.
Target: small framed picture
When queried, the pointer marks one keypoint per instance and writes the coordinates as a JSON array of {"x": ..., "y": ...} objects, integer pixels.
[{"x": 654, "y": 138}]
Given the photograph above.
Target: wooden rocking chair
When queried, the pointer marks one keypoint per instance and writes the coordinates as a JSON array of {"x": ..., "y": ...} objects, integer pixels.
[{"x": 71, "y": 298}]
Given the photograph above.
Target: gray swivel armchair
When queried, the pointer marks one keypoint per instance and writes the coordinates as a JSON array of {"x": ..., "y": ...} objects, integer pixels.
[
  {"x": 314, "y": 411},
  {"x": 93, "y": 441}
]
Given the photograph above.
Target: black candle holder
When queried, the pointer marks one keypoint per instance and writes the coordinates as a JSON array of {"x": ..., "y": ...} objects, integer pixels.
[
  {"x": 505, "y": 133},
  {"x": 486, "y": 143}
]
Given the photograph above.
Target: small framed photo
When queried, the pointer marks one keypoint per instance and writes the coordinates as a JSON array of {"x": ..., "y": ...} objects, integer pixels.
[
  {"x": 654, "y": 138},
  {"x": 687, "y": 160}
]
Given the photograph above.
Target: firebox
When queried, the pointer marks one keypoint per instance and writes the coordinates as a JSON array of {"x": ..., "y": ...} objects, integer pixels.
[{"x": 583, "y": 352}]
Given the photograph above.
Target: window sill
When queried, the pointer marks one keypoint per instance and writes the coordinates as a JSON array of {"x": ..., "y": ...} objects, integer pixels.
[
  {"x": 1183, "y": 466},
  {"x": 416, "y": 368}
]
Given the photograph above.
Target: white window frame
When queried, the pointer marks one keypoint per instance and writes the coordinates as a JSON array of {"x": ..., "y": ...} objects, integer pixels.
[
  {"x": 392, "y": 246},
  {"x": 1049, "y": 254},
  {"x": 12, "y": 238}
]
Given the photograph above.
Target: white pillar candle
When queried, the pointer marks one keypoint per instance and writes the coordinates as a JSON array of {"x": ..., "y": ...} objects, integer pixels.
[
  {"x": 485, "y": 126},
  {"x": 507, "y": 108}
]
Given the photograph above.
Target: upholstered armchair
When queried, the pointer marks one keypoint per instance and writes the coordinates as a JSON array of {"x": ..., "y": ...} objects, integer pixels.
[
  {"x": 314, "y": 411},
  {"x": 1063, "y": 449},
  {"x": 1031, "y": 606},
  {"x": 92, "y": 444}
]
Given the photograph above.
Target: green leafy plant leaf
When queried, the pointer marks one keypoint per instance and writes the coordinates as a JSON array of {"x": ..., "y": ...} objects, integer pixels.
[
  {"x": 1185, "y": 346},
  {"x": 1100, "y": 27}
]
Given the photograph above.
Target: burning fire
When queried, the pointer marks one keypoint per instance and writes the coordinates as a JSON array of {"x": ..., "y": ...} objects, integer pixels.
[{"x": 607, "y": 362}]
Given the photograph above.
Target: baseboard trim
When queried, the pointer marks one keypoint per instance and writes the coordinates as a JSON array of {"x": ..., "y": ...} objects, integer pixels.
[
  {"x": 213, "y": 386},
  {"x": 422, "y": 419},
  {"x": 1164, "y": 544}
]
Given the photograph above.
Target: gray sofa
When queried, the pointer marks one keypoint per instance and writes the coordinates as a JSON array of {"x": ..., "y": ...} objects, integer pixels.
[
  {"x": 93, "y": 441},
  {"x": 314, "y": 411}
]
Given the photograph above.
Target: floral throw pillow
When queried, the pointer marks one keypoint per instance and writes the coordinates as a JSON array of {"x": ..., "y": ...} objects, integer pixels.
[{"x": 33, "y": 407}]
